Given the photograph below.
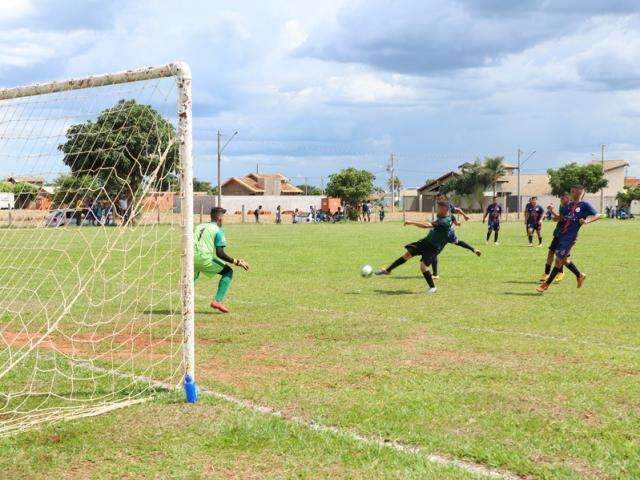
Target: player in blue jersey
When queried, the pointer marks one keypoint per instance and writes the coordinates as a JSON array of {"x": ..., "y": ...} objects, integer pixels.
[
  {"x": 452, "y": 238},
  {"x": 564, "y": 205},
  {"x": 577, "y": 213},
  {"x": 533, "y": 218},
  {"x": 494, "y": 212}
]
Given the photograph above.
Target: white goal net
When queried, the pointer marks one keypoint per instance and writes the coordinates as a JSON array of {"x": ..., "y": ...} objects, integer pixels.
[{"x": 96, "y": 272}]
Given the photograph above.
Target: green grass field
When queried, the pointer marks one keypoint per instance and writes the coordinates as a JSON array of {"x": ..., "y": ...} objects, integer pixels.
[{"x": 486, "y": 370}]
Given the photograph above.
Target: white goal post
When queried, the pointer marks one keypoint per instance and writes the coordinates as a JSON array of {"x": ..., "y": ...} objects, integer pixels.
[{"x": 89, "y": 255}]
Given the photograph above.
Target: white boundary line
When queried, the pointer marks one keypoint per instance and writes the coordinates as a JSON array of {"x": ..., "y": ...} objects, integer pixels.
[{"x": 469, "y": 467}]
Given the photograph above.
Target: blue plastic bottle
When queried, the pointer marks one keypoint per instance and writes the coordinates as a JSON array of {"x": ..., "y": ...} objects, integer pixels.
[{"x": 190, "y": 389}]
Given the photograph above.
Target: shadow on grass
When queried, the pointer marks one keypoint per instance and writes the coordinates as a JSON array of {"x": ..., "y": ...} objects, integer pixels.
[
  {"x": 523, "y": 282},
  {"x": 522, "y": 294},
  {"x": 166, "y": 312},
  {"x": 396, "y": 292}
]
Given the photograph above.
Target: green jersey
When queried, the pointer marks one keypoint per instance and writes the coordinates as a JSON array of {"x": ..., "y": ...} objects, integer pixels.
[
  {"x": 207, "y": 237},
  {"x": 439, "y": 235}
]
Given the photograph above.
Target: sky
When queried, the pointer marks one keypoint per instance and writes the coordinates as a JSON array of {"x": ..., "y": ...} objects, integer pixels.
[{"x": 313, "y": 87}]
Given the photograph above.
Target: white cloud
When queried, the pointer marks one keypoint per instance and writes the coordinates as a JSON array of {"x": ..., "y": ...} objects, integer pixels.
[
  {"x": 11, "y": 10},
  {"x": 294, "y": 34}
]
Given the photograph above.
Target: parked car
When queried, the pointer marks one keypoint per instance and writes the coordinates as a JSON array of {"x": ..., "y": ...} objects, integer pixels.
[{"x": 65, "y": 216}]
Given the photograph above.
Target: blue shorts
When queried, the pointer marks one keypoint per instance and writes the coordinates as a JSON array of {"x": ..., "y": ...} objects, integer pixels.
[
  {"x": 451, "y": 236},
  {"x": 534, "y": 226},
  {"x": 563, "y": 247},
  {"x": 494, "y": 226}
]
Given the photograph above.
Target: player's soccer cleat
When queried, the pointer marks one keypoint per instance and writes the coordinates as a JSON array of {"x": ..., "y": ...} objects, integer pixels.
[
  {"x": 497, "y": 243},
  {"x": 559, "y": 277},
  {"x": 477, "y": 252},
  {"x": 543, "y": 277},
  {"x": 531, "y": 244},
  {"x": 435, "y": 276},
  {"x": 487, "y": 242},
  {"x": 581, "y": 279},
  {"x": 542, "y": 287},
  {"x": 539, "y": 245},
  {"x": 432, "y": 290},
  {"x": 382, "y": 271},
  {"x": 219, "y": 306}
]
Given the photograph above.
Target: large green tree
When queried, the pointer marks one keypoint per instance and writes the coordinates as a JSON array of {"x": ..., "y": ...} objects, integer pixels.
[
  {"x": 127, "y": 145},
  {"x": 70, "y": 189},
  {"x": 591, "y": 176},
  {"x": 351, "y": 185}
]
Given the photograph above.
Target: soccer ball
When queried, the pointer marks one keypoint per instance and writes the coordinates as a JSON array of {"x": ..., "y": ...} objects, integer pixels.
[{"x": 366, "y": 271}]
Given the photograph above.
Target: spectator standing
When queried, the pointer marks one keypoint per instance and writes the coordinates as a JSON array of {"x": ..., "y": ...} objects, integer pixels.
[
  {"x": 381, "y": 213},
  {"x": 106, "y": 213},
  {"x": 123, "y": 208},
  {"x": 278, "y": 214},
  {"x": 257, "y": 212}
]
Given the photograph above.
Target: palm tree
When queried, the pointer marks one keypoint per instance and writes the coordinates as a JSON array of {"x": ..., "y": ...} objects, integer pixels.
[{"x": 493, "y": 169}]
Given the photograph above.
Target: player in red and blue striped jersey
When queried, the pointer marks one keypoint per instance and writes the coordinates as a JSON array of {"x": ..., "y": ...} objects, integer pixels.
[
  {"x": 578, "y": 213},
  {"x": 494, "y": 212},
  {"x": 556, "y": 217},
  {"x": 533, "y": 218}
]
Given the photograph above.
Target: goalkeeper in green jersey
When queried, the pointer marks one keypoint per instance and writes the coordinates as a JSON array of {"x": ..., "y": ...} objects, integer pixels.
[{"x": 210, "y": 257}]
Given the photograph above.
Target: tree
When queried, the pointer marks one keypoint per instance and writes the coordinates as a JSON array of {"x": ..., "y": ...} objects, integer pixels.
[
  {"x": 70, "y": 189},
  {"x": 590, "y": 176},
  {"x": 493, "y": 169},
  {"x": 351, "y": 185},
  {"x": 127, "y": 145},
  {"x": 201, "y": 186},
  {"x": 24, "y": 193},
  {"x": 473, "y": 180},
  {"x": 628, "y": 195},
  {"x": 310, "y": 189}
]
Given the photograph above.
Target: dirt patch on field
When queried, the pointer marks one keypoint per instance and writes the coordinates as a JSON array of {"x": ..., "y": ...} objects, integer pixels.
[
  {"x": 578, "y": 465},
  {"x": 265, "y": 363},
  {"x": 94, "y": 345}
]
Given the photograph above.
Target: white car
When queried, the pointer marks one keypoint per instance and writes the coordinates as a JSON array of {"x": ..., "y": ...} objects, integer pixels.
[{"x": 63, "y": 216}]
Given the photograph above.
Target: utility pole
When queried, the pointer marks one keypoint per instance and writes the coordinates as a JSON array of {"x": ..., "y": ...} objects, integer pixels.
[
  {"x": 391, "y": 170},
  {"x": 219, "y": 176},
  {"x": 518, "y": 207},
  {"x": 602, "y": 189},
  {"x": 220, "y": 150},
  {"x": 520, "y": 163}
]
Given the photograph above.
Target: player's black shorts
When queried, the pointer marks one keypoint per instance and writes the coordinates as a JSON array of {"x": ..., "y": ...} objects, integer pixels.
[
  {"x": 554, "y": 244},
  {"x": 423, "y": 248}
]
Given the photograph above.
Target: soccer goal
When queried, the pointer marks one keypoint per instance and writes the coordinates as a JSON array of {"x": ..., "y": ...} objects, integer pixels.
[{"x": 96, "y": 250}]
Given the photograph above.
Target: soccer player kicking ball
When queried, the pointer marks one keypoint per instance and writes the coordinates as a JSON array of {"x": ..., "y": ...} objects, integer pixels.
[
  {"x": 429, "y": 247},
  {"x": 452, "y": 238},
  {"x": 578, "y": 213},
  {"x": 533, "y": 217},
  {"x": 564, "y": 202},
  {"x": 494, "y": 211},
  {"x": 210, "y": 257}
]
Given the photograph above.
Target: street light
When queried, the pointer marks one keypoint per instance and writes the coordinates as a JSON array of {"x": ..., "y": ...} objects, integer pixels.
[
  {"x": 520, "y": 152},
  {"x": 220, "y": 150}
]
